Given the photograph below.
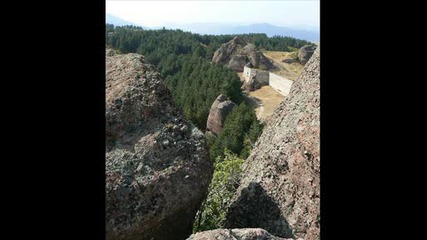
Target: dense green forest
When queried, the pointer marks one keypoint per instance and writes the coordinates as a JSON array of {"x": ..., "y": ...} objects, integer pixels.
[
  {"x": 183, "y": 60},
  {"x": 128, "y": 39},
  {"x": 241, "y": 130}
]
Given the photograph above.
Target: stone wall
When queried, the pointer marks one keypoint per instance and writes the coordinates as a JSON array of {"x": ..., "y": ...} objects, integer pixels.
[
  {"x": 261, "y": 76},
  {"x": 247, "y": 71},
  {"x": 280, "y": 84}
]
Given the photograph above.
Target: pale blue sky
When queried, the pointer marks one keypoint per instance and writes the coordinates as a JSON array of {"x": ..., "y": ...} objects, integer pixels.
[{"x": 163, "y": 13}]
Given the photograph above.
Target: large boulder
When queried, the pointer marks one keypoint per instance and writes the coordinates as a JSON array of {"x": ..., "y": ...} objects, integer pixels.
[
  {"x": 219, "y": 111},
  {"x": 237, "y": 62},
  {"x": 157, "y": 165},
  {"x": 235, "y": 234},
  {"x": 256, "y": 57},
  {"x": 236, "y": 53},
  {"x": 305, "y": 53},
  {"x": 280, "y": 184}
]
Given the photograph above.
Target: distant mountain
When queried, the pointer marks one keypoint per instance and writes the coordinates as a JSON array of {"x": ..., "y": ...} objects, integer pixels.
[
  {"x": 301, "y": 32},
  {"x": 272, "y": 30},
  {"x": 204, "y": 28},
  {"x": 268, "y": 29},
  {"x": 111, "y": 19}
]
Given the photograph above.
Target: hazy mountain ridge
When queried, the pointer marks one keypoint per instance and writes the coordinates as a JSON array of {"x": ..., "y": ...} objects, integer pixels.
[
  {"x": 222, "y": 28},
  {"x": 111, "y": 19},
  {"x": 269, "y": 29}
]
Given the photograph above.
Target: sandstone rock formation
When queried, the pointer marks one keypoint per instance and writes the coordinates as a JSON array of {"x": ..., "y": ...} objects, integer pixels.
[
  {"x": 280, "y": 184},
  {"x": 157, "y": 164},
  {"x": 237, "y": 53},
  {"x": 220, "y": 109},
  {"x": 305, "y": 53},
  {"x": 235, "y": 234}
]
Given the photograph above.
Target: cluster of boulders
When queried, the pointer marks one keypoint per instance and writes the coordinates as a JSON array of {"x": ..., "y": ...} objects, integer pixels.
[{"x": 158, "y": 170}]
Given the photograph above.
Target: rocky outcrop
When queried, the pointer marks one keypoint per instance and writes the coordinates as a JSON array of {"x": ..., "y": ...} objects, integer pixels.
[
  {"x": 157, "y": 164},
  {"x": 305, "y": 53},
  {"x": 235, "y": 234},
  {"x": 250, "y": 84},
  {"x": 236, "y": 53},
  {"x": 280, "y": 184},
  {"x": 220, "y": 109},
  {"x": 256, "y": 80}
]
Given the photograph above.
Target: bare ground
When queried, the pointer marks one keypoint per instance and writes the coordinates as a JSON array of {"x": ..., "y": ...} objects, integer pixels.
[
  {"x": 289, "y": 70},
  {"x": 264, "y": 101}
]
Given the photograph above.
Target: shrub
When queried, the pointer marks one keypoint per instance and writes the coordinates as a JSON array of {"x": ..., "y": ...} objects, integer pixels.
[{"x": 224, "y": 184}]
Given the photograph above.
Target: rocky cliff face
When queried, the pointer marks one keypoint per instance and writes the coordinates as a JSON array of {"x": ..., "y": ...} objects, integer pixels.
[
  {"x": 305, "y": 53},
  {"x": 280, "y": 184},
  {"x": 219, "y": 111},
  {"x": 235, "y": 234},
  {"x": 157, "y": 164},
  {"x": 237, "y": 53}
]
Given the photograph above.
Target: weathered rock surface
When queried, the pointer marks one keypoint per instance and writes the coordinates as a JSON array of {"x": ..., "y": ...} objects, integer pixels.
[
  {"x": 305, "y": 53},
  {"x": 219, "y": 111},
  {"x": 157, "y": 164},
  {"x": 250, "y": 84},
  {"x": 257, "y": 79},
  {"x": 280, "y": 184},
  {"x": 235, "y": 234},
  {"x": 236, "y": 53}
]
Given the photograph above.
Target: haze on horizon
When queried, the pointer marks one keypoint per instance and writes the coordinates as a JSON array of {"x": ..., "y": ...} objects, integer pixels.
[{"x": 302, "y": 14}]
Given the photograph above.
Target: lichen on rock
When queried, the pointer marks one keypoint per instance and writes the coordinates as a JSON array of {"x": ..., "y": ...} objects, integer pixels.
[{"x": 157, "y": 164}]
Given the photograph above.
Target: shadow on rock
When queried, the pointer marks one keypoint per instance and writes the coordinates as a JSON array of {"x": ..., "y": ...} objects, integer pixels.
[{"x": 254, "y": 208}]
